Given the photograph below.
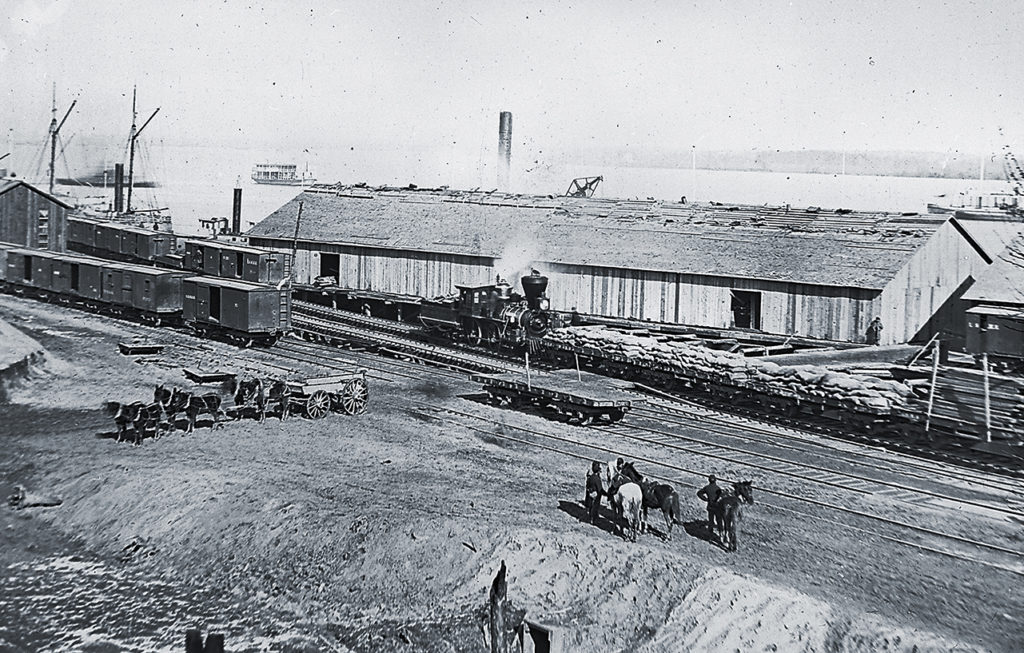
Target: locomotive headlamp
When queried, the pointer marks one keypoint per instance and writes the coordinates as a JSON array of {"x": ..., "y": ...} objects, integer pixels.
[{"x": 544, "y": 304}]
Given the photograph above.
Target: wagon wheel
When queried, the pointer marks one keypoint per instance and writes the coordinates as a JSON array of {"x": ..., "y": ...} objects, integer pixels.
[
  {"x": 318, "y": 404},
  {"x": 353, "y": 397}
]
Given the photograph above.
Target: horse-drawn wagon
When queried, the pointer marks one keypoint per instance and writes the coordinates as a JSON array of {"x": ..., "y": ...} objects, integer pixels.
[
  {"x": 344, "y": 393},
  {"x": 580, "y": 397}
]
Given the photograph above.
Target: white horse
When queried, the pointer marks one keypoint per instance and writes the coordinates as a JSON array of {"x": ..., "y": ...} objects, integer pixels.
[{"x": 628, "y": 503}]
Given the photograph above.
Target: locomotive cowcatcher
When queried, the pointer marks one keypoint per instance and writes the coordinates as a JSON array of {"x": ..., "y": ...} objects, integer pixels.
[{"x": 492, "y": 314}]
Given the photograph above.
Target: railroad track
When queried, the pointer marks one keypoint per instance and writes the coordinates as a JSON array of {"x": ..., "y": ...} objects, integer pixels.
[
  {"x": 878, "y": 525},
  {"x": 680, "y": 411},
  {"x": 329, "y": 326}
]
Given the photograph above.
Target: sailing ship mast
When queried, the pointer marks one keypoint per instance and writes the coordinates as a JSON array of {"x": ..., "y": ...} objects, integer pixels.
[
  {"x": 131, "y": 149},
  {"x": 54, "y": 130}
]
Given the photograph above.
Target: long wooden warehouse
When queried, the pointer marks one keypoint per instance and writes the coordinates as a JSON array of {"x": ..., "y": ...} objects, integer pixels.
[{"x": 810, "y": 273}]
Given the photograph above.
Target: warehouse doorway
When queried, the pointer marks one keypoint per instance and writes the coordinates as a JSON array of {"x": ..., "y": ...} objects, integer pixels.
[
  {"x": 330, "y": 266},
  {"x": 746, "y": 309}
]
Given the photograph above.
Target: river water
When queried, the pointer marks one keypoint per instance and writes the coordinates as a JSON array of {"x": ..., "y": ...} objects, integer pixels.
[{"x": 197, "y": 182}]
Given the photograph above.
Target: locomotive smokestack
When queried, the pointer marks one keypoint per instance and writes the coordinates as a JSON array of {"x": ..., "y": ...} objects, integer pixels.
[
  {"x": 534, "y": 286},
  {"x": 118, "y": 187},
  {"x": 236, "y": 213},
  {"x": 504, "y": 149}
]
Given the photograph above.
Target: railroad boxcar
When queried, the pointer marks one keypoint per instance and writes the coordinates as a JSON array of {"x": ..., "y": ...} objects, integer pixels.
[
  {"x": 138, "y": 244},
  {"x": 82, "y": 234},
  {"x": 242, "y": 312},
  {"x": 151, "y": 293},
  {"x": 254, "y": 264}
]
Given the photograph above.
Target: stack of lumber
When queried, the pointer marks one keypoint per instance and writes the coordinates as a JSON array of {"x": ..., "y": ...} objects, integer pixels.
[
  {"x": 959, "y": 403},
  {"x": 808, "y": 382}
]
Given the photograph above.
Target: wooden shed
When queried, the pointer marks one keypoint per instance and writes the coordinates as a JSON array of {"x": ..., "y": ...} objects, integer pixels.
[
  {"x": 31, "y": 217},
  {"x": 995, "y": 320},
  {"x": 811, "y": 273}
]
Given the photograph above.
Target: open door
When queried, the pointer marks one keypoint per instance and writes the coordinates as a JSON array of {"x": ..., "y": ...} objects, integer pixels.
[
  {"x": 746, "y": 309},
  {"x": 214, "y": 304}
]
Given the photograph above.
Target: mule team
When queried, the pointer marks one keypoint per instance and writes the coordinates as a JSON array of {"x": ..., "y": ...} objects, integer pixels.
[
  {"x": 170, "y": 402},
  {"x": 631, "y": 495}
]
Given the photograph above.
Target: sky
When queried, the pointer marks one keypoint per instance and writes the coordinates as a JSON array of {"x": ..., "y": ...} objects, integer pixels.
[{"x": 625, "y": 76}]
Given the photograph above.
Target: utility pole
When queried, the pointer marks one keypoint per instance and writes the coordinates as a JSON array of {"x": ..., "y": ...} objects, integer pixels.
[
  {"x": 131, "y": 149},
  {"x": 54, "y": 130}
]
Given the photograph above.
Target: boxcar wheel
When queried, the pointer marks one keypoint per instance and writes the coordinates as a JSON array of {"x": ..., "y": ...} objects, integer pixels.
[{"x": 318, "y": 404}]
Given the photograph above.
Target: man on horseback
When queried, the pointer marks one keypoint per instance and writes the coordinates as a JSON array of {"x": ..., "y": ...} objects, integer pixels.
[
  {"x": 594, "y": 492},
  {"x": 710, "y": 493}
]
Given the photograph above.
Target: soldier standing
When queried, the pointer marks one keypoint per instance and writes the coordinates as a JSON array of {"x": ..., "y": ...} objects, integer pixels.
[
  {"x": 710, "y": 493},
  {"x": 594, "y": 492}
]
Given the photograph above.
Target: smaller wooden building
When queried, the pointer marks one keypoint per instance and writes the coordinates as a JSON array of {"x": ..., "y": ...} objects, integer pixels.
[
  {"x": 31, "y": 217},
  {"x": 995, "y": 320}
]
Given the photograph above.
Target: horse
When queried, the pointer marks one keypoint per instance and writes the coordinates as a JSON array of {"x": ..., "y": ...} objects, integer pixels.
[
  {"x": 665, "y": 497},
  {"x": 729, "y": 511},
  {"x": 655, "y": 495},
  {"x": 250, "y": 390},
  {"x": 628, "y": 500},
  {"x": 177, "y": 401},
  {"x": 140, "y": 415},
  {"x": 280, "y": 393}
]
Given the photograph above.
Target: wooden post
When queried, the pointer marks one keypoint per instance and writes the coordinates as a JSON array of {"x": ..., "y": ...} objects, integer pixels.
[
  {"x": 579, "y": 377},
  {"x": 529, "y": 385},
  {"x": 193, "y": 641},
  {"x": 931, "y": 390},
  {"x": 988, "y": 412},
  {"x": 496, "y": 613}
]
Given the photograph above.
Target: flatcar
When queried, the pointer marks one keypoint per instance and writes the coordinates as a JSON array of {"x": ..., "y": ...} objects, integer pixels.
[
  {"x": 492, "y": 314},
  {"x": 244, "y": 313}
]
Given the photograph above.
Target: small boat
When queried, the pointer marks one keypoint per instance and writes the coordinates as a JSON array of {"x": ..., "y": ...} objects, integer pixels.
[{"x": 282, "y": 174}]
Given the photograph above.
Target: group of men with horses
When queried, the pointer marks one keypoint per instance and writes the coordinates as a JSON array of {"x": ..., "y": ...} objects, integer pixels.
[
  {"x": 631, "y": 495},
  {"x": 170, "y": 402}
]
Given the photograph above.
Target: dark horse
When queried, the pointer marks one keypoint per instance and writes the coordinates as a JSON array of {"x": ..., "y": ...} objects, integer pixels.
[
  {"x": 656, "y": 495},
  {"x": 250, "y": 391},
  {"x": 141, "y": 416},
  {"x": 728, "y": 511},
  {"x": 279, "y": 393},
  {"x": 176, "y": 401}
]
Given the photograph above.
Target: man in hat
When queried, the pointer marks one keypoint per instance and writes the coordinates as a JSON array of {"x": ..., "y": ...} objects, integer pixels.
[
  {"x": 710, "y": 493},
  {"x": 874, "y": 335},
  {"x": 594, "y": 492}
]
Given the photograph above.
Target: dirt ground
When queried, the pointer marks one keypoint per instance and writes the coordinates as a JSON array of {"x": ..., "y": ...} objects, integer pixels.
[{"x": 383, "y": 531}]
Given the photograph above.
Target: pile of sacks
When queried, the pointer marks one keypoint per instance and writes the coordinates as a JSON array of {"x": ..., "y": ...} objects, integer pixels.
[{"x": 810, "y": 381}]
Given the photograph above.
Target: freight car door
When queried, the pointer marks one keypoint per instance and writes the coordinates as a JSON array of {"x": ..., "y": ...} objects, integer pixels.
[{"x": 214, "y": 304}]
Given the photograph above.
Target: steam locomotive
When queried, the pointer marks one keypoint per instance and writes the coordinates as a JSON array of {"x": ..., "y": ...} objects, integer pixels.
[{"x": 492, "y": 315}]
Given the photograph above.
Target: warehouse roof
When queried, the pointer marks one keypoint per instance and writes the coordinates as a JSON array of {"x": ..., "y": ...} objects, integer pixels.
[
  {"x": 815, "y": 246},
  {"x": 1003, "y": 281},
  {"x": 11, "y": 184}
]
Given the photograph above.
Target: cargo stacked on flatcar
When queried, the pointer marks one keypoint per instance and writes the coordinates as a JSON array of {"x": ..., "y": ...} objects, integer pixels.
[{"x": 241, "y": 312}]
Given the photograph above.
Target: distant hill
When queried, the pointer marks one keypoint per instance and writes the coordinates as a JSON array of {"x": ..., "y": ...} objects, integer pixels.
[{"x": 898, "y": 164}]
